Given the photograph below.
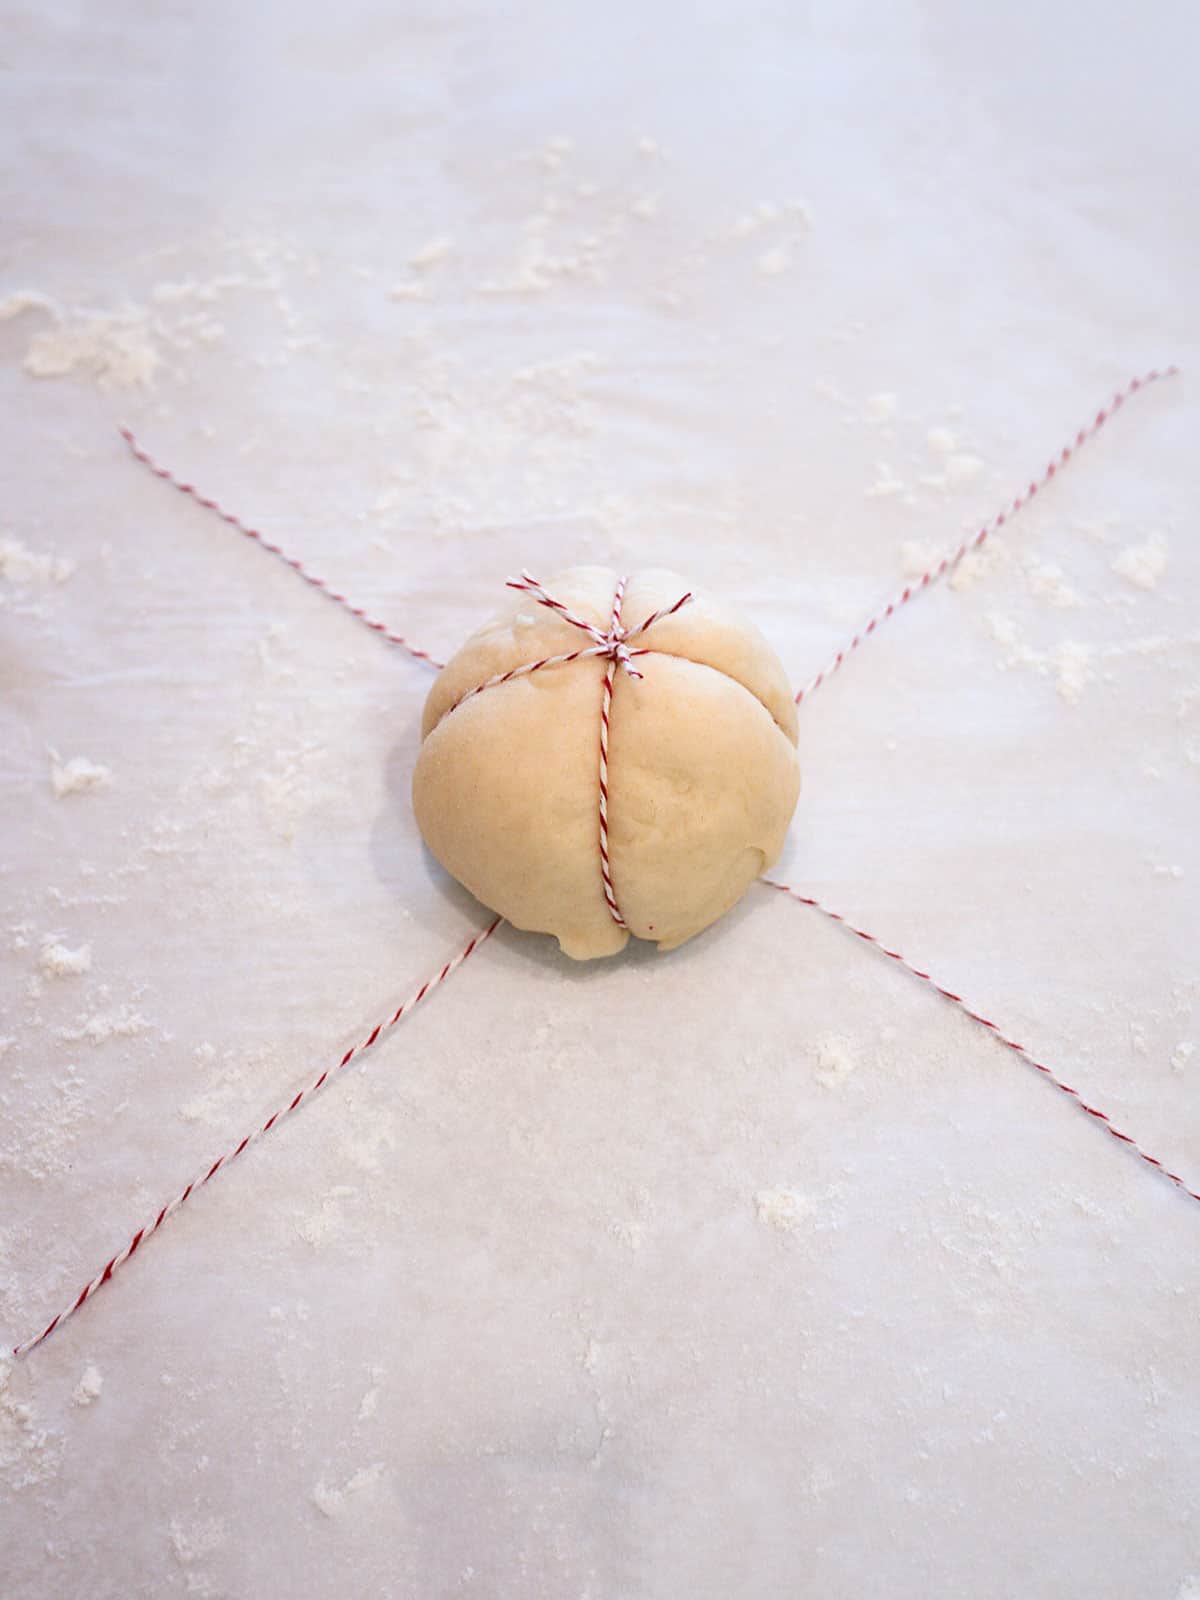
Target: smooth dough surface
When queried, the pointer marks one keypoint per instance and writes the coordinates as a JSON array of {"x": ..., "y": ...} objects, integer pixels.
[{"x": 703, "y": 773}]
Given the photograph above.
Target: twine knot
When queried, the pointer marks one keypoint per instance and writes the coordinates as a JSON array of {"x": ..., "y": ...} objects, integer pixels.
[
  {"x": 617, "y": 650},
  {"x": 612, "y": 645}
]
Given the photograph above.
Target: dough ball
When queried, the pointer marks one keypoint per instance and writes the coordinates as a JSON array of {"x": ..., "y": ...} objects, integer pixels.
[{"x": 702, "y": 768}]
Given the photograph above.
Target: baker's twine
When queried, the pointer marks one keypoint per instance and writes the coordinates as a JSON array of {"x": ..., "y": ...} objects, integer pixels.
[
  {"x": 613, "y": 646},
  {"x": 115, "y": 1263},
  {"x": 610, "y": 672},
  {"x": 993, "y": 1028},
  {"x": 326, "y": 588},
  {"x": 950, "y": 561}
]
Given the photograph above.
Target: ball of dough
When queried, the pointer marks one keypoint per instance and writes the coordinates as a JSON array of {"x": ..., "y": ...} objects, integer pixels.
[{"x": 702, "y": 768}]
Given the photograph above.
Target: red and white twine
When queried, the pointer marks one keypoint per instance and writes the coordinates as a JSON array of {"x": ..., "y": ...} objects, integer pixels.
[
  {"x": 993, "y": 1028},
  {"x": 951, "y": 560},
  {"x": 527, "y": 667},
  {"x": 613, "y": 645},
  {"x": 321, "y": 584},
  {"x": 610, "y": 672},
  {"x": 294, "y": 1104}
]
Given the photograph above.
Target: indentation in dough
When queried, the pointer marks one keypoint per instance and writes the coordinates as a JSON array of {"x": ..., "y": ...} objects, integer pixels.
[{"x": 737, "y": 682}]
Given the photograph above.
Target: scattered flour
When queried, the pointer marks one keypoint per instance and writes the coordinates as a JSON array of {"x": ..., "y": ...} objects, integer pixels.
[
  {"x": 1073, "y": 671},
  {"x": 77, "y": 776},
  {"x": 1182, "y": 1055},
  {"x": 119, "y": 1022},
  {"x": 886, "y": 483},
  {"x": 29, "y": 1454},
  {"x": 765, "y": 215},
  {"x": 56, "y": 961},
  {"x": 87, "y": 1390},
  {"x": 125, "y": 347},
  {"x": 1189, "y": 1589},
  {"x": 1143, "y": 564},
  {"x": 1099, "y": 530},
  {"x": 331, "y": 1500},
  {"x": 1047, "y": 582},
  {"x": 26, "y": 300},
  {"x": 1070, "y": 664},
  {"x": 224, "y": 1093},
  {"x": 979, "y": 564},
  {"x": 824, "y": 390},
  {"x": 782, "y": 1208},
  {"x": 114, "y": 349},
  {"x": 556, "y": 147},
  {"x": 430, "y": 254},
  {"x": 956, "y": 469},
  {"x": 917, "y": 556},
  {"x": 205, "y": 291},
  {"x": 43, "y": 1144},
  {"x": 941, "y": 441},
  {"x": 834, "y": 1061},
  {"x": 880, "y": 407},
  {"x": 19, "y": 564},
  {"x": 1156, "y": 644},
  {"x": 291, "y": 787},
  {"x": 364, "y": 1148},
  {"x": 632, "y": 1234},
  {"x": 369, "y": 1404},
  {"x": 920, "y": 555},
  {"x": 772, "y": 262},
  {"x": 545, "y": 258},
  {"x": 192, "y": 1541},
  {"x": 317, "y": 1227}
]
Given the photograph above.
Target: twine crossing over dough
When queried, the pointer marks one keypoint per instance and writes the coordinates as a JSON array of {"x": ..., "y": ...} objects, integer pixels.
[
  {"x": 611, "y": 645},
  {"x": 691, "y": 713}
]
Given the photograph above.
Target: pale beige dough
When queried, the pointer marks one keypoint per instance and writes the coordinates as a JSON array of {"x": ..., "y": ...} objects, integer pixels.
[{"x": 703, "y": 773}]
